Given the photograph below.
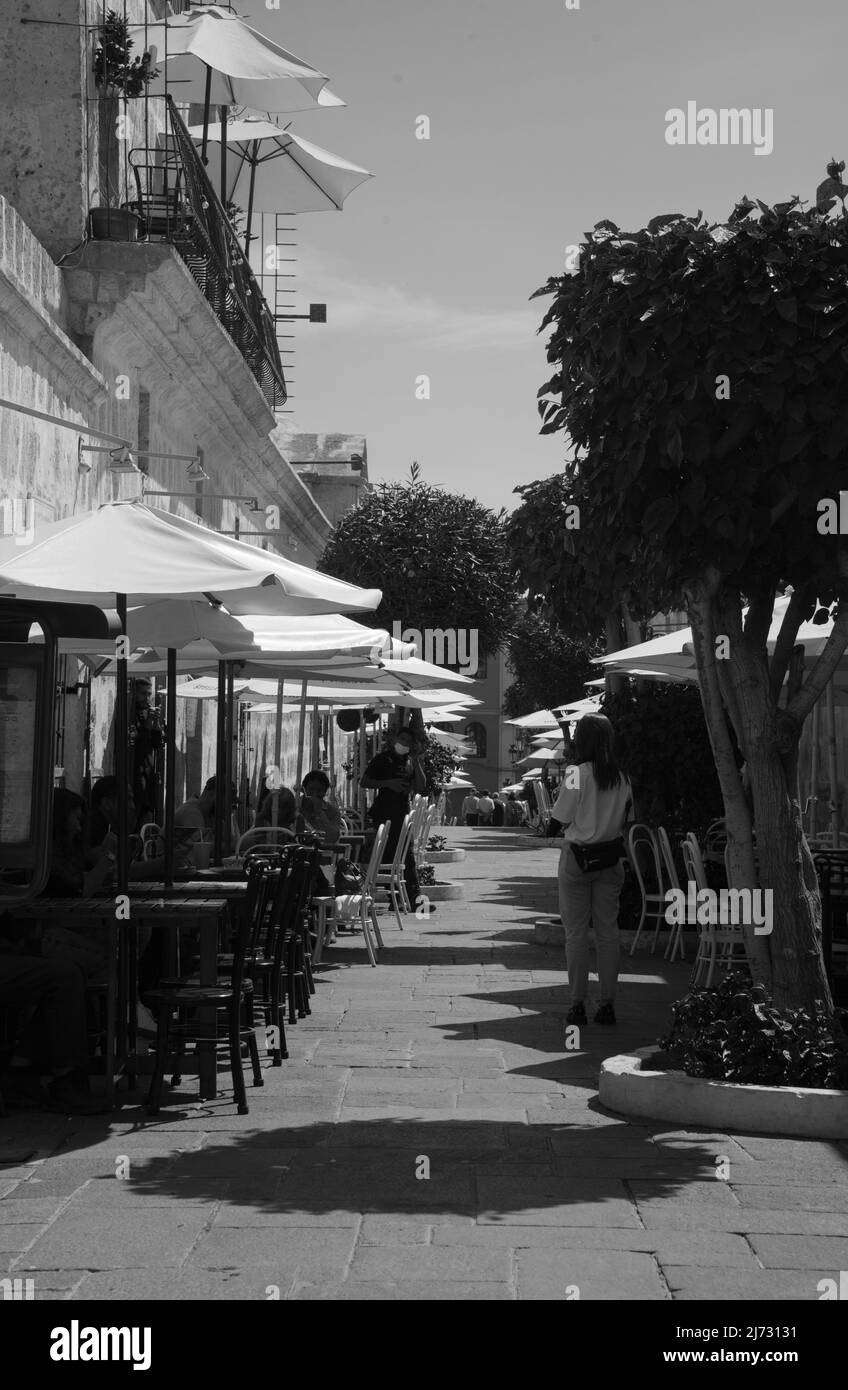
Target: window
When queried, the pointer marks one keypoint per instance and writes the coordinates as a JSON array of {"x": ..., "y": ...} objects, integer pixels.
[{"x": 476, "y": 734}]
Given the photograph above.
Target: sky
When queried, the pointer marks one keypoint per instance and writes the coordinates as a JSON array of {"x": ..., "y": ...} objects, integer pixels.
[{"x": 544, "y": 120}]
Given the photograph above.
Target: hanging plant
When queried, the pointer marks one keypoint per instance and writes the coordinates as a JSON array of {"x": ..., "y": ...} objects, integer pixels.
[{"x": 114, "y": 69}]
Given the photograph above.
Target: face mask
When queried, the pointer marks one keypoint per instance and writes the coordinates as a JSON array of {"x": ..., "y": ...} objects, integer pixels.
[{"x": 401, "y": 750}]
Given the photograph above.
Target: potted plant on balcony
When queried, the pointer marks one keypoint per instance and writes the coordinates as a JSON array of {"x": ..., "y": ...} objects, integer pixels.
[{"x": 117, "y": 76}]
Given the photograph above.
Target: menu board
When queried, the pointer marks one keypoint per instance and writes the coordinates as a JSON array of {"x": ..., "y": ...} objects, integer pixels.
[{"x": 18, "y": 710}]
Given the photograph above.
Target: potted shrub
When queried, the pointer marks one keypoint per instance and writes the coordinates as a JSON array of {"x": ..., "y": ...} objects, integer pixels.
[{"x": 117, "y": 76}]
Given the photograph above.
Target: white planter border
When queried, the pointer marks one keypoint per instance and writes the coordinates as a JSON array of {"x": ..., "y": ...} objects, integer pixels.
[
  {"x": 445, "y": 856},
  {"x": 720, "y": 1105}
]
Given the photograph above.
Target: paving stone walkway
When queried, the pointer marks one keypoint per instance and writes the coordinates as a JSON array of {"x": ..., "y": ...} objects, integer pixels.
[{"x": 430, "y": 1138}]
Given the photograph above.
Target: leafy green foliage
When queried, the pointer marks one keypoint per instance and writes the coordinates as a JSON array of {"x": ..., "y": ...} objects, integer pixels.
[
  {"x": 438, "y": 764},
  {"x": 442, "y": 560},
  {"x": 436, "y": 843},
  {"x": 734, "y": 1033},
  {"x": 663, "y": 744},
  {"x": 551, "y": 667},
  {"x": 673, "y": 480},
  {"x": 113, "y": 65}
]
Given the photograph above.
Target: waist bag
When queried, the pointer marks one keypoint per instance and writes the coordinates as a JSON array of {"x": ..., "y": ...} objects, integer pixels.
[
  {"x": 603, "y": 855},
  {"x": 348, "y": 879}
]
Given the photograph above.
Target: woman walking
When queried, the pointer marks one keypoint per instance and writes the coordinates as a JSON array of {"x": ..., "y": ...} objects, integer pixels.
[{"x": 594, "y": 803}]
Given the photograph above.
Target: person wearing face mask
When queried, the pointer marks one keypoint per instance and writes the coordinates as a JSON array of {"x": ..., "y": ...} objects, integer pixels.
[{"x": 395, "y": 774}]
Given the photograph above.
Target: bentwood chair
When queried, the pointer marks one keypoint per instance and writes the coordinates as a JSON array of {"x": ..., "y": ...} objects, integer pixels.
[
  {"x": 354, "y": 907},
  {"x": 391, "y": 876},
  {"x": 717, "y": 942},
  {"x": 643, "y": 851},
  {"x": 675, "y": 938}
]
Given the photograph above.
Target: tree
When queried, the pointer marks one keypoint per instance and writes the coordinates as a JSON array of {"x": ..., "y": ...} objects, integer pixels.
[
  {"x": 702, "y": 373},
  {"x": 551, "y": 667},
  {"x": 442, "y": 561}
]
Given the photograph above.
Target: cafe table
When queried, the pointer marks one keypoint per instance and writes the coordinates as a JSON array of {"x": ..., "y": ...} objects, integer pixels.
[{"x": 209, "y": 915}]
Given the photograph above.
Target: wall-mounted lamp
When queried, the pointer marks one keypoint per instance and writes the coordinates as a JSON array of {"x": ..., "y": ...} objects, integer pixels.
[{"x": 83, "y": 466}]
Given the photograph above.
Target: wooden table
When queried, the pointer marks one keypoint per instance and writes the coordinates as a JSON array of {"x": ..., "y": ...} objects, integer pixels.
[{"x": 206, "y": 914}]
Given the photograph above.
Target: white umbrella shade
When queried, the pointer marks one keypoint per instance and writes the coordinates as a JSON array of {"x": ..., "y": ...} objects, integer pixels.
[
  {"x": 541, "y": 755},
  {"x": 286, "y": 172},
  {"x": 148, "y": 554},
  {"x": 323, "y": 690},
  {"x": 539, "y": 719},
  {"x": 248, "y": 68}
]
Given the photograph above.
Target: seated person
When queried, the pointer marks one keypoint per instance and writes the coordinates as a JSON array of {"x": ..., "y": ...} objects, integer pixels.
[
  {"x": 104, "y": 817},
  {"x": 286, "y": 809},
  {"x": 74, "y": 873},
  {"x": 198, "y": 813},
  {"x": 55, "y": 990},
  {"x": 320, "y": 815}
]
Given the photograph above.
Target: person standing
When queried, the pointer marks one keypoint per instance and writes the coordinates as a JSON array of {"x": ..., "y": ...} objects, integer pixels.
[
  {"x": 498, "y": 814},
  {"x": 395, "y": 774},
  {"x": 470, "y": 809},
  {"x": 593, "y": 806},
  {"x": 485, "y": 807},
  {"x": 148, "y": 740}
]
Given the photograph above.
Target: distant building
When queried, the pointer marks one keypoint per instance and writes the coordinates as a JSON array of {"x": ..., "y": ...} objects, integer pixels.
[{"x": 334, "y": 467}]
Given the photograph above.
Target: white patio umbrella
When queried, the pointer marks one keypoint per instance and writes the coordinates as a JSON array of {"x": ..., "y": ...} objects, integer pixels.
[
  {"x": 539, "y": 719},
  {"x": 213, "y": 55},
  {"x": 146, "y": 554},
  {"x": 541, "y": 755},
  {"x": 127, "y": 554},
  {"x": 280, "y": 169}
]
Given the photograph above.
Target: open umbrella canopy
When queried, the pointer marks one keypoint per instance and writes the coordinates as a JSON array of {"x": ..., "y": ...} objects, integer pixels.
[
  {"x": 320, "y": 688},
  {"x": 275, "y": 168},
  {"x": 147, "y": 554},
  {"x": 541, "y": 755},
  {"x": 539, "y": 719},
  {"x": 247, "y": 67}
]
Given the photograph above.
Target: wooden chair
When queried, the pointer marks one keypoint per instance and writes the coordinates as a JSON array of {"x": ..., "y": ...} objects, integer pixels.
[
  {"x": 643, "y": 851},
  {"x": 159, "y": 197},
  {"x": 177, "y": 1007},
  {"x": 263, "y": 839},
  {"x": 354, "y": 907}
]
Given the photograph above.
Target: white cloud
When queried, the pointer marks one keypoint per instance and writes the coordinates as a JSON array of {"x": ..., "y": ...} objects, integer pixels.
[{"x": 386, "y": 309}]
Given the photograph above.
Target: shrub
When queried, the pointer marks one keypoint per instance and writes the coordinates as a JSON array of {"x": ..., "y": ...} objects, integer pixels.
[
  {"x": 733, "y": 1032},
  {"x": 426, "y": 875},
  {"x": 437, "y": 843}
]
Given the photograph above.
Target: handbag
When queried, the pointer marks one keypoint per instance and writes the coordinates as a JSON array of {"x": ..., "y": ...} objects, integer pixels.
[
  {"x": 603, "y": 855},
  {"x": 348, "y": 880}
]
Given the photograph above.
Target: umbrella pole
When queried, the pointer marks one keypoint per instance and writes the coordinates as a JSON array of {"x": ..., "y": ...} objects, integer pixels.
[
  {"x": 170, "y": 765},
  {"x": 331, "y": 752},
  {"x": 814, "y": 768},
  {"x": 223, "y": 112},
  {"x": 278, "y": 751},
  {"x": 253, "y": 162},
  {"x": 832, "y": 765},
  {"x": 228, "y": 797},
  {"x": 301, "y": 734},
  {"x": 362, "y": 755},
  {"x": 122, "y": 750},
  {"x": 220, "y": 762},
  {"x": 316, "y": 737},
  {"x": 206, "y": 102}
]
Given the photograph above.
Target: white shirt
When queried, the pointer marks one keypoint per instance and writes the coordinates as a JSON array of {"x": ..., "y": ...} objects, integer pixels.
[
  {"x": 485, "y": 805},
  {"x": 590, "y": 814},
  {"x": 469, "y": 806}
]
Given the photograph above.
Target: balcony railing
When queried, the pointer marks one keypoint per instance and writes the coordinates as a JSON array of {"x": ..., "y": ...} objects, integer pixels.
[{"x": 177, "y": 203}]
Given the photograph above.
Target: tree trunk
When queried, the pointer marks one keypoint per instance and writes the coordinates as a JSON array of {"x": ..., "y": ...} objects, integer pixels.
[
  {"x": 790, "y": 960},
  {"x": 615, "y": 685}
]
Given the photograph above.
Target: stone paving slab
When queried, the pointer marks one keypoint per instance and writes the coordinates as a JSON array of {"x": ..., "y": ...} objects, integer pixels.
[{"x": 453, "y": 1051}]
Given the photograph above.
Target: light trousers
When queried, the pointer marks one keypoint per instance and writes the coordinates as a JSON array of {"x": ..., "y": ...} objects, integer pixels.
[{"x": 586, "y": 899}]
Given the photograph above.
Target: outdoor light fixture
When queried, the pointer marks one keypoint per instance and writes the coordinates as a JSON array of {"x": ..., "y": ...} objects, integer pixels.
[
  {"x": 122, "y": 460},
  {"x": 196, "y": 472},
  {"x": 317, "y": 314}
]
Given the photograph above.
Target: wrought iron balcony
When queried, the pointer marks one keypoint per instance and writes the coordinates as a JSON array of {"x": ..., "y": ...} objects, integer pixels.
[{"x": 177, "y": 203}]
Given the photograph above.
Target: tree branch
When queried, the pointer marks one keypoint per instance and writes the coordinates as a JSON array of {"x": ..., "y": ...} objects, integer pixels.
[
  {"x": 823, "y": 671},
  {"x": 779, "y": 663}
]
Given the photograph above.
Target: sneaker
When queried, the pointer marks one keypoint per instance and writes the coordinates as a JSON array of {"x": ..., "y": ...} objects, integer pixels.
[
  {"x": 65, "y": 1097},
  {"x": 605, "y": 1014},
  {"x": 576, "y": 1014}
]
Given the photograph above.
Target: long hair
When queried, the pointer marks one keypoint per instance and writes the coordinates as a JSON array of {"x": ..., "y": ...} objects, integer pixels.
[
  {"x": 64, "y": 802},
  {"x": 594, "y": 742}
]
